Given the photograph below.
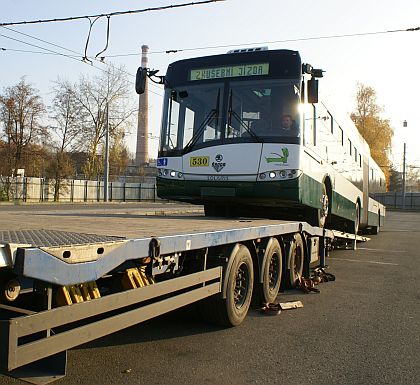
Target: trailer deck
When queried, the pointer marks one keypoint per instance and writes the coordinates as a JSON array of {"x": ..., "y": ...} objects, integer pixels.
[{"x": 199, "y": 261}]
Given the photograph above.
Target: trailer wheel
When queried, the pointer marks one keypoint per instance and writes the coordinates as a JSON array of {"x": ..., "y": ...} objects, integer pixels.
[
  {"x": 232, "y": 310},
  {"x": 272, "y": 272},
  {"x": 295, "y": 256}
]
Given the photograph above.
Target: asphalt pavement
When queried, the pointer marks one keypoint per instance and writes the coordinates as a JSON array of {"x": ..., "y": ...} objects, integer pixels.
[{"x": 363, "y": 328}]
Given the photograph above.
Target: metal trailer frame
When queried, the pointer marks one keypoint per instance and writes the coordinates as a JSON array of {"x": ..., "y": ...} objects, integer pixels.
[
  {"x": 43, "y": 358},
  {"x": 33, "y": 345}
]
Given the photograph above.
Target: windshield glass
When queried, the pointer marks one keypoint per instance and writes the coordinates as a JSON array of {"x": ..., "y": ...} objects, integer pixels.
[
  {"x": 263, "y": 109},
  {"x": 236, "y": 111},
  {"x": 192, "y": 116}
]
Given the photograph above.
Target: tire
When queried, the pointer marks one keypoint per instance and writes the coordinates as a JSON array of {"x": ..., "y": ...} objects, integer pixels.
[
  {"x": 375, "y": 229},
  {"x": 354, "y": 225},
  {"x": 219, "y": 210},
  {"x": 272, "y": 272},
  {"x": 212, "y": 210},
  {"x": 318, "y": 217},
  {"x": 295, "y": 256},
  {"x": 232, "y": 310}
]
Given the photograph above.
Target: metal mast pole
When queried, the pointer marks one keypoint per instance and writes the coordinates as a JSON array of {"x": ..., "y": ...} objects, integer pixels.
[
  {"x": 106, "y": 165},
  {"x": 403, "y": 186}
]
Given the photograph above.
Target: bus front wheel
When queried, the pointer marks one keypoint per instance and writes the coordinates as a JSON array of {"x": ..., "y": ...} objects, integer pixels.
[{"x": 318, "y": 217}]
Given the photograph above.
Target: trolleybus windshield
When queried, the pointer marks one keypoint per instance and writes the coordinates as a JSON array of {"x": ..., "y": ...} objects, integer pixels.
[{"x": 229, "y": 111}]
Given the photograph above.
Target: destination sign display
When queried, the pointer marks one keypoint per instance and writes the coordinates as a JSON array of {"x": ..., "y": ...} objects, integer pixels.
[{"x": 258, "y": 69}]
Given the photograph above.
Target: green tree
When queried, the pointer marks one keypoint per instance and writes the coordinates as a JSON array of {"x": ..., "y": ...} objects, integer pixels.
[
  {"x": 395, "y": 180},
  {"x": 376, "y": 130},
  {"x": 118, "y": 153}
]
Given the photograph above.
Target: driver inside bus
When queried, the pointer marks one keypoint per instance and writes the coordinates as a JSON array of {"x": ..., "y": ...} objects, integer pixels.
[
  {"x": 265, "y": 127},
  {"x": 288, "y": 126}
]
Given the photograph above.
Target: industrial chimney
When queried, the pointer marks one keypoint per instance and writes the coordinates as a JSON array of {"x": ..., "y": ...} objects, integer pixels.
[{"x": 142, "y": 155}]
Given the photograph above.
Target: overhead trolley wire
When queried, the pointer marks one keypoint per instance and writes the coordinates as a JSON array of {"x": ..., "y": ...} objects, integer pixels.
[
  {"x": 118, "y": 13},
  {"x": 275, "y": 41},
  {"x": 51, "y": 52}
]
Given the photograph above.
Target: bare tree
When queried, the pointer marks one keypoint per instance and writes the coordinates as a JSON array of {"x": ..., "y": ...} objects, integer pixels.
[
  {"x": 21, "y": 110},
  {"x": 66, "y": 113},
  {"x": 112, "y": 89}
]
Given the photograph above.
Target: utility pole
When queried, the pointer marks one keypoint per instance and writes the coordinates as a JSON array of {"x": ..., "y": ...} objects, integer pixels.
[
  {"x": 404, "y": 176},
  {"x": 142, "y": 152},
  {"x": 106, "y": 165}
]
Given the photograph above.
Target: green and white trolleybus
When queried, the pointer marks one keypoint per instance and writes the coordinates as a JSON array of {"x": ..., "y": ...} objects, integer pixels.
[{"x": 244, "y": 132}]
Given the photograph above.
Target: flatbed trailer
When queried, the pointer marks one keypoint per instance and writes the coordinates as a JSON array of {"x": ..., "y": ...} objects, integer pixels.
[{"x": 61, "y": 289}]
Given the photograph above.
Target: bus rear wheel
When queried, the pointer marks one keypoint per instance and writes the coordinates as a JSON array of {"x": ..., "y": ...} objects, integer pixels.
[
  {"x": 354, "y": 225},
  {"x": 375, "y": 229}
]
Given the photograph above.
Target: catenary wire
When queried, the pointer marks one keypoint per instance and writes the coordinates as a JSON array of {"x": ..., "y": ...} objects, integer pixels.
[
  {"x": 67, "y": 56},
  {"x": 79, "y": 55},
  {"x": 274, "y": 41},
  {"x": 119, "y": 13}
]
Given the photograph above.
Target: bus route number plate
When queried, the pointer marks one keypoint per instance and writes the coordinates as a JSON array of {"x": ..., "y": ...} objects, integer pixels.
[{"x": 199, "y": 161}]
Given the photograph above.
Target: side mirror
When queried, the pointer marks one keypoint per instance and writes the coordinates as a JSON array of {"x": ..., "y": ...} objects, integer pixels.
[
  {"x": 313, "y": 90},
  {"x": 141, "y": 77}
]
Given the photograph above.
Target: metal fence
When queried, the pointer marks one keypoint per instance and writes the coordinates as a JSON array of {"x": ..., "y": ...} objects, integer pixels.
[
  {"x": 394, "y": 200},
  {"x": 73, "y": 190}
]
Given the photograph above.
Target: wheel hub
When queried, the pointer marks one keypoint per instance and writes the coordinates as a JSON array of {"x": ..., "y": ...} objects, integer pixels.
[
  {"x": 241, "y": 285},
  {"x": 273, "y": 272}
]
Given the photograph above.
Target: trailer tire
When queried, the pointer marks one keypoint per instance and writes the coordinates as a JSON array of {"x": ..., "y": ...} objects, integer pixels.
[
  {"x": 232, "y": 310},
  {"x": 295, "y": 256},
  {"x": 271, "y": 272}
]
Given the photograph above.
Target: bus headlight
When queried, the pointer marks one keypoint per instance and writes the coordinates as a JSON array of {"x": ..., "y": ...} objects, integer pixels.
[
  {"x": 280, "y": 175},
  {"x": 165, "y": 173}
]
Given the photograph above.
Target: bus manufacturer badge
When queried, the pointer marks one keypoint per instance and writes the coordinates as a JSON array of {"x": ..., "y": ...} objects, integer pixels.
[
  {"x": 278, "y": 158},
  {"x": 218, "y": 165}
]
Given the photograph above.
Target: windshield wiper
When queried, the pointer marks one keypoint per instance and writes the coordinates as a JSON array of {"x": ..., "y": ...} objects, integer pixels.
[
  {"x": 233, "y": 113},
  {"x": 214, "y": 113}
]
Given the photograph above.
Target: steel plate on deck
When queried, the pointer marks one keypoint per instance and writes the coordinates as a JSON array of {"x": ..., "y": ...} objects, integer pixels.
[{"x": 51, "y": 238}]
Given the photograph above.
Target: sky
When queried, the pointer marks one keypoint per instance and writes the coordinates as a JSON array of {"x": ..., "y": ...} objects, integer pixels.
[{"x": 385, "y": 61}]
